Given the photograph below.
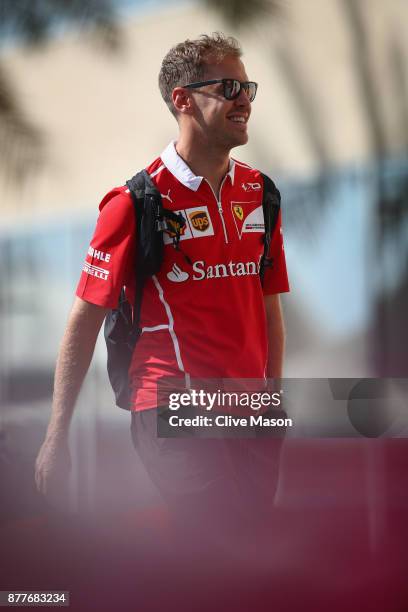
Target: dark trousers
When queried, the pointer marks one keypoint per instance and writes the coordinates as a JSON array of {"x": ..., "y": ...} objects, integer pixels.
[{"x": 211, "y": 486}]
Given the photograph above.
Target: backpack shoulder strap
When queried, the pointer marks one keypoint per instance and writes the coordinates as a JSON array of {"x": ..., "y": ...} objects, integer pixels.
[
  {"x": 141, "y": 186},
  {"x": 147, "y": 205},
  {"x": 151, "y": 216},
  {"x": 122, "y": 324},
  {"x": 271, "y": 201}
]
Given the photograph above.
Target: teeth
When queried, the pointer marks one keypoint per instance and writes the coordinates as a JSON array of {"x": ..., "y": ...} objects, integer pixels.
[{"x": 238, "y": 119}]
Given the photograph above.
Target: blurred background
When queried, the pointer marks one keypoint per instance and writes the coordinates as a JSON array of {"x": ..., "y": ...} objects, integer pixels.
[{"x": 80, "y": 112}]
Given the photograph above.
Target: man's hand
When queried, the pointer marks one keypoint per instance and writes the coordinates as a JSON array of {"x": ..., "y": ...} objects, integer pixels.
[
  {"x": 53, "y": 462},
  {"x": 52, "y": 466}
]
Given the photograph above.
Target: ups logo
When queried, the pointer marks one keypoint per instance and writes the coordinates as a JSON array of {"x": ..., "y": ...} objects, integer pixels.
[{"x": 199, "y": 220}]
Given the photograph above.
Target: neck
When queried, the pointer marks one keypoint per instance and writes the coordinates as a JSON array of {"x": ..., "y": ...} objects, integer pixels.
[{"x": 204, "y": 160}]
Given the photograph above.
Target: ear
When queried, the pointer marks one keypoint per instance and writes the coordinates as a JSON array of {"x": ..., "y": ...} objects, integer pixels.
[{"x": 182, "y": 100}]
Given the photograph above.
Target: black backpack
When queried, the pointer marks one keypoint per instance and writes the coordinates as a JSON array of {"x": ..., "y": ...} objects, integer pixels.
[{"x": 152, "y": 219}]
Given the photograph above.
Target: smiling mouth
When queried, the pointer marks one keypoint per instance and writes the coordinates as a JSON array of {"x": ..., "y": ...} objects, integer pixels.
[{"x": 240, "y": 120}]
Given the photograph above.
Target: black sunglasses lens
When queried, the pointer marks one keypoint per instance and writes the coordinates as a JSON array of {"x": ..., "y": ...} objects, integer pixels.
[
  {"x": 232, "y": 87},
  {"x": 250, "y": 90}
]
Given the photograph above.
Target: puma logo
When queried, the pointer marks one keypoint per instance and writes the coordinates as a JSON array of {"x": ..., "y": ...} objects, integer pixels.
[{"x": 167, "y": 197}]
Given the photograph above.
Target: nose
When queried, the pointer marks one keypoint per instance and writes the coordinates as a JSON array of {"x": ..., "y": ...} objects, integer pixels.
[{"x": 242, "y": 99}]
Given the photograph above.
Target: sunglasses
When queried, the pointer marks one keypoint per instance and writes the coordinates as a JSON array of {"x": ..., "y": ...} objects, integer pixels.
[{"x": 232, "y": 87}]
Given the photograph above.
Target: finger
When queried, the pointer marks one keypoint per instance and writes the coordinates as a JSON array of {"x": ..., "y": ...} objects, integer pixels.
[
  {"x": 39, "y": 481},
  {"x": 38, "y": 474}
]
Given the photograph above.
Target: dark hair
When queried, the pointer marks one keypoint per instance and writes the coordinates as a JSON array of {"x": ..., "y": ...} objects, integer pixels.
[{"x": 186, "y": 62}]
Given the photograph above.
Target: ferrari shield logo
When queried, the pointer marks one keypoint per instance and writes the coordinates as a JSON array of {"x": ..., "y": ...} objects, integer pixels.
[{"x": 238, "y": 210}]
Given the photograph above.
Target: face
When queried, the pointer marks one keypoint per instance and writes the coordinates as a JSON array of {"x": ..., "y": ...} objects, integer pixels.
[{"x": 222, "y": 123}]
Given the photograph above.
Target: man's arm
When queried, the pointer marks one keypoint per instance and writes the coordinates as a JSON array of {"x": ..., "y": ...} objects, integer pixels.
[
  {"x": 276, "y": 336},
  {"x": 74, "y": 358}
]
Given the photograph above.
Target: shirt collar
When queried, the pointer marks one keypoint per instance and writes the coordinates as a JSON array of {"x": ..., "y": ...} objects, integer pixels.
[{"x": 178, "y": 167}]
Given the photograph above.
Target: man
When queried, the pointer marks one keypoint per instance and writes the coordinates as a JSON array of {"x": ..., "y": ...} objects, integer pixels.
[{"x": 205, "y": 314}]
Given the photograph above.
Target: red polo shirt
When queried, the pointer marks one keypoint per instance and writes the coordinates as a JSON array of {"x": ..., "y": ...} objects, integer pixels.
[{"x": 204, "y": 319}]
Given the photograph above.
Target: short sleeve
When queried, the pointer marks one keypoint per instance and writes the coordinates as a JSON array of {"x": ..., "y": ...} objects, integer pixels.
[
  {"x": 276, "y": 276},
  {"x": 109, "y": 262}
]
